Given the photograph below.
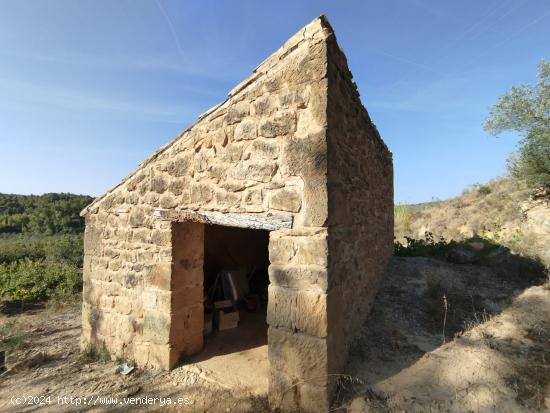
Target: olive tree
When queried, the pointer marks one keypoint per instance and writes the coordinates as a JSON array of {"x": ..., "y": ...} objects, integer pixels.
[{"x": 526, "y": 110}]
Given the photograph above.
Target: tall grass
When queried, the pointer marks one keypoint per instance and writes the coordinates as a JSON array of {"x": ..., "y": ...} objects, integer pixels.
[{"x": 403, "y": 218}]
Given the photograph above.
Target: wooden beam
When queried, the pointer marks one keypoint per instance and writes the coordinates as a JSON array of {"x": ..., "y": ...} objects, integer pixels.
[{"x": 269, "y": 222}]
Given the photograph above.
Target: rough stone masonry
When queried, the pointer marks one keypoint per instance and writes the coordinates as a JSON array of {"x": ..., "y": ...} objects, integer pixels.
[{"x": 292, "y": 140}]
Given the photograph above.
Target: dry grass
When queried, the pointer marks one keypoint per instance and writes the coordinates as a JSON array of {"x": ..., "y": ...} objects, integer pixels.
[
  {"x": 479, "y": 208},
  {"x": 407, "y": 216},
  {"x": 492, "y": 211},
  {"x": 403, "y": 218}
]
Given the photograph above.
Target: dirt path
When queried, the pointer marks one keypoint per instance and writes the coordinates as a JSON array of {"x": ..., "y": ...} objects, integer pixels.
[{"x": 47, "y": 363}]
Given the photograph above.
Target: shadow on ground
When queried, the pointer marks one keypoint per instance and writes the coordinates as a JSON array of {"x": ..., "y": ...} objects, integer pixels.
[{"x": 448, "y": 336}]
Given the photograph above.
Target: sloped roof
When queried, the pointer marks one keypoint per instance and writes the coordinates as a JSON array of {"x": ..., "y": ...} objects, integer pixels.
[{"x": 319, "y": 29}]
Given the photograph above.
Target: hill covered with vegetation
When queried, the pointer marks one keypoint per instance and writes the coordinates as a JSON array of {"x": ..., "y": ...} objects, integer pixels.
[
  {"x": 41, "y": 246},
  {"x": 47, "y": 214}
]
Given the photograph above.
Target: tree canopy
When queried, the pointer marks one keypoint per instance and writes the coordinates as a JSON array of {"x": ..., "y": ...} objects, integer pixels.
[
  {"x": 526, "y": 110},
  {"x": 46, "y": 214}
]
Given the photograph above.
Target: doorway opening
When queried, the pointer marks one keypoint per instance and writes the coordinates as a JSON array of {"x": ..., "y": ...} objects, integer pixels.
[{"x": 235, "y": 284}]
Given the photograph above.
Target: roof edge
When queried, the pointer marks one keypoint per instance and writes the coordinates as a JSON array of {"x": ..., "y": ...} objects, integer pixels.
[{"x": 318, "y": 25}]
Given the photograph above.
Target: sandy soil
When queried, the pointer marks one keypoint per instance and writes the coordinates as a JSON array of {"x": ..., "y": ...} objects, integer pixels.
[
  {"x": 496, "y": 353},
  {"x": 237, "y": 358},
  {"x": 488, "y": 351},
  {"x": 45, "y": 361}
]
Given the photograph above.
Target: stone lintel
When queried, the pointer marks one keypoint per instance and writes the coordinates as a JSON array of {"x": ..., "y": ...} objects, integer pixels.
[{"x": 269, "y": 222}]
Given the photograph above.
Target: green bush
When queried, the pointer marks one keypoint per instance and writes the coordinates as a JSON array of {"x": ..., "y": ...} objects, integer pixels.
[
  {"x": 63, "y": 248},
  {"x": 28, "y": 280},
  {"x": 426, "y": 247},
  {"x": 15, "y": 248},
  {"x": 532, "y": 162},
  {"x": 41, "y": 246},
  {"x": 66, "y": 248}
]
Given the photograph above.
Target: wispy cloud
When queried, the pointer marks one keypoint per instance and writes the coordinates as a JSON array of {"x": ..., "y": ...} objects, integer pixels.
[
  {"x": 407, "y": 61},
  {"x": 171, "y": 28},
  {"x": 21, "y": 92},
  {"x": 197, "y": 66},
  {"x": 442, "y": 97},
  {"x": 433, "y": 9},
  {"x": 444, "y": 91}
]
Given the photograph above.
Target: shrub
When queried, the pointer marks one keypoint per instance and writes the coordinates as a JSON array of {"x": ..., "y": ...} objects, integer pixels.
[
  {"x": 66, "y": 248},
  {"x": 484, "y": 190},
  {"x": 28, "y": 280},
  {"x": 426, "y": 247},
  {"x": 63, "y": 248},
  {"x": 15, "y": 248}
]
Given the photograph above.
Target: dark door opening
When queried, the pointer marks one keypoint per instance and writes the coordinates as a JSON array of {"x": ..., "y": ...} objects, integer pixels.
[{"x": 236, "y": 279}]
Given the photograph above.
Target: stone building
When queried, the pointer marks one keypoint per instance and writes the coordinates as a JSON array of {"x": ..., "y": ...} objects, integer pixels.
[{"x": 289, "y": 169}]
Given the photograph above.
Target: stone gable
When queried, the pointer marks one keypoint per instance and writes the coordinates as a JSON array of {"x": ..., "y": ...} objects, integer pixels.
[{"x": 292, "y": 151}]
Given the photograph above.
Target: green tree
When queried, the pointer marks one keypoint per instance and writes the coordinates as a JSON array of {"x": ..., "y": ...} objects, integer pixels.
[
  {"x": 47, "y": 214},
  {"x": 526, "y": 110}
]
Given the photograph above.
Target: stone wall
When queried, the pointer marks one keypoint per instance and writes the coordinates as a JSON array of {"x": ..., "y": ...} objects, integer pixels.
[
  {"x": 360, "y": 191},
  {"x": 293, "y": 137},
  {"x": 185, "y": 276},
  {"x": 298, "y": 335},
  {"x": 263, "y": 150},
  {"x": 126, "y": 297},
  {"x": 323, "y": 280}
]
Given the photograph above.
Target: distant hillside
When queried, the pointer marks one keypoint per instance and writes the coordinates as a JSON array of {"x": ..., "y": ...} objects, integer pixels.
[
  {"x": 41, "y": 246},
  {"x": 48, "y": 214},
  {"x": 502, "y": 210}
]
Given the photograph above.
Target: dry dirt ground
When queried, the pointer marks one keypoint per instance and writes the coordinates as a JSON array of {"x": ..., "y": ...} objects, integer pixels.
[
  {"x": 446, "y": 337},
  {"x": 487, "y": 349},
  {"x": 45, "y": 360}
]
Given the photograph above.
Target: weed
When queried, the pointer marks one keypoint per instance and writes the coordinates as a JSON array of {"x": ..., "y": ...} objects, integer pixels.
[
  {"x": 6, "y": 327},
  {"x": 93, "y": 354},
  {"x": 478, "y": 319},
  {"x": 484, "y": 190},
  {"x": 124, "y": 360},
  {"x": 493, "y": 233},
  {"x": 403, "y": 218},
  {"x": 350, "y": 387},
  {"x": 14, "y": 342},
  {"x": 427, "y": 247}
]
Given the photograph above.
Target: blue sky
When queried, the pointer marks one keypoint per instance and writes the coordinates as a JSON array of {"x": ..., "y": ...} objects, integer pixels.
[{"x": 88, "y": 89}]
